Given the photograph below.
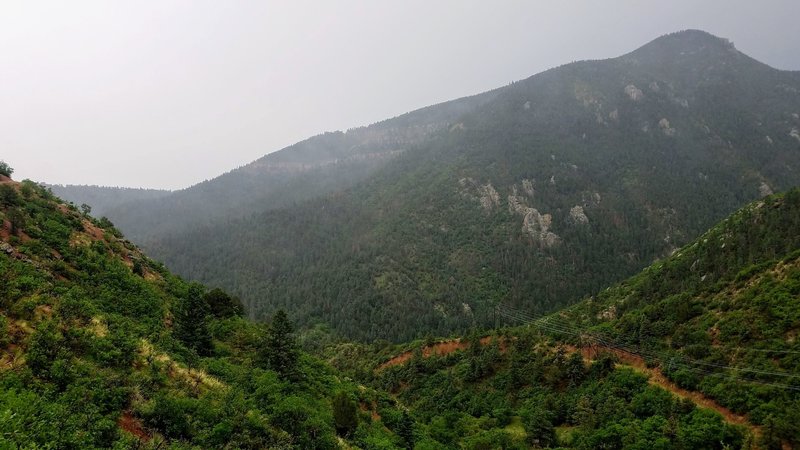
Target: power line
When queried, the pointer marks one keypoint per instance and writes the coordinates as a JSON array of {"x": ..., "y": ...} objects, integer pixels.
[{"x": 553, "y": 324}]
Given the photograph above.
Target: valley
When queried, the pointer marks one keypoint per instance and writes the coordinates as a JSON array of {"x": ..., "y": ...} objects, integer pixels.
[{"x": 603, "y": 255}]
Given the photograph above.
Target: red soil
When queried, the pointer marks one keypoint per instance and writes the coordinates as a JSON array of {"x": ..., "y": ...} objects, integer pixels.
[
  {"x": 133, "y": 426},
  {"x": 657, "y": 378},
  {"x": 439, "y": 349},
  {"x": 636, "y": 362}
]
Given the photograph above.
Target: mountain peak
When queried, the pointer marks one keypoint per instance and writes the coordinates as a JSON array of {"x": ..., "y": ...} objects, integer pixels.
[{"x": 681, "y": 45}]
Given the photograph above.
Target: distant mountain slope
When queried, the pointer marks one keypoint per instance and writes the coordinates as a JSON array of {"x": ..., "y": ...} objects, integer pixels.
[
  {"x": 716, "y": 324},
  {"x": 101, "y": 199},
  {"x": 314, "y": 167},
  {"x": 535, "y": 194},
  {"x": 101, "y": 347}
]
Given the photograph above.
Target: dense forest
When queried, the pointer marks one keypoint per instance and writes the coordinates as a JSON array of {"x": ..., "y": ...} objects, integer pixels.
[
  {"x": 542, "y": 193},
  {"x": 535, "y": 194},
  {"x": 563, "y": 262},
  {"x": 721, "y": 316},
  {"x": 103, "y": 347},
  {"x": 715, "y": 324}
]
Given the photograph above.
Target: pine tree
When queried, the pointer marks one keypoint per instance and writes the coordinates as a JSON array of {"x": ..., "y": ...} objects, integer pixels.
[
  {"x": 345, "y": 413},
  {"x": 279, "y": 349},
  {"x": 191, "y": 321},
  {"x": 405, "y": 429}
]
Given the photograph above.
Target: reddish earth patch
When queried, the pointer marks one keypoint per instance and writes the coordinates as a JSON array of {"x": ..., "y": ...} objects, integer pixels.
[
  {"x": 5, "y": 232},
  {"x": 372, "y": 409},
  {"x": 92, "y": 230},
  {"x": 133, "y": 426},
  {"x": 636, "y": 362},
  {"x": 657, "y": 378},
  {"x": 439, "y": 349}
]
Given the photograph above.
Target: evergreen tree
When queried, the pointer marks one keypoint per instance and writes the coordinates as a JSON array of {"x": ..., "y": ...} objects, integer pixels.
[
  {"x": 191, "y": 321},
  {"x": 405, "y": 429},
  {"x": 345, "y": 413},
  {"x": 223, "y": 305},
  {"x": 279, "y": 349},
  {"x": 5, "y": 169}
]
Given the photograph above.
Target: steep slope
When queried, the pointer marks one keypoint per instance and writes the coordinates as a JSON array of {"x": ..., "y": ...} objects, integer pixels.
[
  {"x": 101, "y": 347},
  {"x": 559, "y": 185},
  {"x": 715, "y": 324},
  {"x": 316, "y": 166},
  {"x": 721, "y": 316},
  {"x": 532, "y": 393},
  {"x": 102, "y": 199}
]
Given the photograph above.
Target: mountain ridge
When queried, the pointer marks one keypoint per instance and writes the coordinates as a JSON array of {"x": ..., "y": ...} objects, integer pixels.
[{"x": 540, "y": 193}]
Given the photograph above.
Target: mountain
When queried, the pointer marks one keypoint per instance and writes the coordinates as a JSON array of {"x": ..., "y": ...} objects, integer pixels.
[
  {"x": 311, "y": 168},
  {"x": 720, "y": 316},
  {"x": 534, "y": 195},
  {"x": 101, "y": 347},
  {"x": 715, "y": 325},
  {"x": 101, "y": 199}
]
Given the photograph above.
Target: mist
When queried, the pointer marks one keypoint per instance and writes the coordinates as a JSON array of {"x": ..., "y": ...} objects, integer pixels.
[{"x": 167, "y": 94}]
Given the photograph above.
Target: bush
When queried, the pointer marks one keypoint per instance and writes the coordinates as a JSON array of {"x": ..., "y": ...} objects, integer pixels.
[{"x": 5, "y": 169}]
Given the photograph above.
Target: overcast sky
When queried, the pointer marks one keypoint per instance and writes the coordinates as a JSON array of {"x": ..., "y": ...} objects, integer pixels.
[{"x": 168, "y": 93}]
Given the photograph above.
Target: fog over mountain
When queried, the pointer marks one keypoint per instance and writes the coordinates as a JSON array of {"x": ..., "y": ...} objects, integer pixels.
[
  {"x": 533, "y": 194},
  {"x": 167, "y": 94}
]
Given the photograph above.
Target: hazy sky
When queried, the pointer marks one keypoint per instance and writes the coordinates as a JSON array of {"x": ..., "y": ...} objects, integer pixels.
[{"x": 169, "y": 93}]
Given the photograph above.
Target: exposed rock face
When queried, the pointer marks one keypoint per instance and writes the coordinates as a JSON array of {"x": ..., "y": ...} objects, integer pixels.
[
  {"x": 609, "y": 313},
  {"x": 527, "y": 186},
  {"x": 664, "y": 125},
  {"x": 538, "y": 226},
  {"x": 634, "y": 93},
  {"x": 578, "y": 216},
  {"x": 681, "y": 101},
  {"x": 764, "y": 189},
  {"x": 534, "y": 223},
  {"x": 489, "y": 197},
  {"x": 795, "y": 133}
]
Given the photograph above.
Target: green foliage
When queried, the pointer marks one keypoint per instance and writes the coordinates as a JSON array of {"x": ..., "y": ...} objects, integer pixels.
[
  {"x": 5, "y": 169},
  {"x": 8, "y": 196},
  {"x": 557, "y": 402},
  {"x": 429, "y": 240},
  {"x": 191, "y": 321},
  {"x": 4, "y": 337},
  {"x": 223, "y": 305},
  {"x": 94, "y": 355},
  {"x": 45, "y": 347},
  {"x": 278, "y": 350},
  {"x": 716, "y": 316},
  {"x": 345, "y": 413}
]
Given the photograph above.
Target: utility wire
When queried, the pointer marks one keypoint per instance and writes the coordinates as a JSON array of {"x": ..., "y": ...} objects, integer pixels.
[{"x": 553, "y": 324}]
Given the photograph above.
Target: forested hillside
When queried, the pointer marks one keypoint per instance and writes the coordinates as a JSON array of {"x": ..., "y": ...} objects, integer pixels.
[
  {"x": 534, "y": 195},
  {"x": 699, "y": 350},
  {"x": 102, "y": 199},
  {"x": 721, "y": 316},
  {"x": 560, "y": 185},
  {"x": 314, "y": 167},
  {"x": 101, "y": 347}
]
